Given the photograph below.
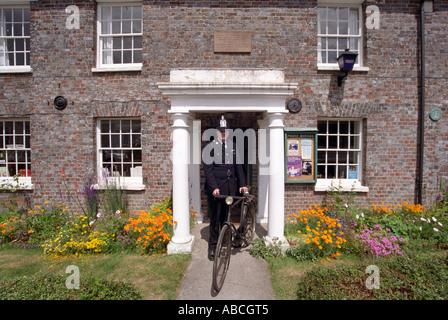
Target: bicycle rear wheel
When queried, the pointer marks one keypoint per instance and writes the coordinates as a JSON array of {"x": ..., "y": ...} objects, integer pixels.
[{"x": 222, "y": 257}]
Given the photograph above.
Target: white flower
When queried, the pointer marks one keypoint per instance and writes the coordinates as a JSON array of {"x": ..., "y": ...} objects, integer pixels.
[
  {"x": 435, "y": 229},
  {"x": 440, "y": 224},
  {"x": 117, "y": 212},
  {"x": 423, "y": 219},
  {"x": 362, "y": 214},
  {"x": 98, "y": 215},
  {"x": 357, "y": 216},
  {"x": 91, "y": 222},
  {"x": 346, "y": 205},
  {"x": 420, "y": 228},
  {"x": 434, "y": 219}
]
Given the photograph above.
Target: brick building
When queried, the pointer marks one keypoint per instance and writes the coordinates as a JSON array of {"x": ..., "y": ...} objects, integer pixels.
[{"x": 139, "y": 77}]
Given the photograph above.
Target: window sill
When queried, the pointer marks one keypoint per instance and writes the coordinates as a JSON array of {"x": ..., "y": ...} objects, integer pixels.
[
  {"x": 122, "y": 186},
  {"x": 25, "y": 69},
  {"x": 9, "y": 184},
  {"x": 121, "y": 68},
  {"x": 324, "y": 185},
  {"x": 325, "y": 67}
]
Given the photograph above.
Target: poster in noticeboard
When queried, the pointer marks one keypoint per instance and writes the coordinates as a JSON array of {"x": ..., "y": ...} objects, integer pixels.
[{"x": 300, "y": 156}]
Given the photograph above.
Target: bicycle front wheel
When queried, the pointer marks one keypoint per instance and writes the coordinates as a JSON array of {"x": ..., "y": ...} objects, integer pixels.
[{"x": 222, "y": 257}]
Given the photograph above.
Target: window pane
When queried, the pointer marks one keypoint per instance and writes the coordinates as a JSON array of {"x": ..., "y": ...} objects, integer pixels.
[
  {"x": 137, "y": 27},
  {"x": 116, "y": 43},
  {"x": 331, "y": 157},
  {"x": 127, "y": 56},
  {"x": 343, "y": 13},
  {"x": 322, "y": 142},
  {"x": 104, "y": 126},
  {"x": 321, "y": 172},
  {"x": 137, "y": 12},
  {"x": 116, "y": 13},
  {"x": 332, "y": 27},
  {"x": 332, "y": 13},
  {"x": 127, "y": 42},
  {"x": 343, "y": 142},
  {"x": 321, "y": 156},
  {"x": 125, "y": 125},
  {"x": 126, "y": 27},
  {"x": 136, "y": 126},
  {"x": 126, "y": 141},
  {"x": 117, "y": 56},
  {"x": 115, "y": 126},
  {"x": 342, "y": 157},
  {"x": 126, "y": 13},
  {"x": 137, "y": 155},
  {"x": 353, "y": 157},
  {"x": 115, "y": 139},
  {"x": 105, "y": 141},
  {"x": 9, "y": 127},
  {"x": 136, "y": 141},
  {"x": 116, "y": 27},
  {"x": 107, "y": 155},
  {"x": 354, "y": 142},
  {"x": 127, "y": 156},
  {"x": 332, "y": 127},
  {"x": 137, "y": 56},
  {"x": 332, "y": 142},
  {"x": 137, "y": 42},
  {"x": 342, "y": 172},
  {"x": 331, "y": 172}
]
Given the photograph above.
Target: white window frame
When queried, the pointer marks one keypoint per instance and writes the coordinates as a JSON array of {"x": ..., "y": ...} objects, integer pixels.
[
  {"x": 111, "y": 67},
  {"x": 326, "y": 184},
  {"x": 19, "y": 68},
  {"x": 104, "y": 178},
  {"x": 360, "y": 36},
  {"x": 8, "y": 182}
]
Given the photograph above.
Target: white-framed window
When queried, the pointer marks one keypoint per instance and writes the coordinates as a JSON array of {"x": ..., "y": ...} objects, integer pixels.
[
  {"x": 14, "y": 39},
  {"x": 339, "y": 27},
  {"x": 119, "y": 142},
  {"x": 120, "y": 36},
  {"x": 339, "y": 154},
  {"x": 15, "y": 152}
]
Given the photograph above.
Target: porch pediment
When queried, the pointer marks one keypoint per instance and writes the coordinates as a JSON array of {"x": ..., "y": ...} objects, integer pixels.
[{"x": 227, "y": 90}]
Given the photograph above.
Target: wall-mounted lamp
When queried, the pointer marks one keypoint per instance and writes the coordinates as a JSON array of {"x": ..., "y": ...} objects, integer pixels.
[{"x": 346, "y": 62}]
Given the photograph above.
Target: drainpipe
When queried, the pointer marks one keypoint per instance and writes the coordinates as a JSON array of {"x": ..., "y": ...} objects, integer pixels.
[{"x": 422, "y": 103}]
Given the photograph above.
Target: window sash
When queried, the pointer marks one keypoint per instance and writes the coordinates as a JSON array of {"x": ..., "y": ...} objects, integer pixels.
[
  {"x": 15, "y": 148},
  {"x": 340, "y": 150},
  {"x": 120, "y": 35},
  {"x": 119, "y": 151},
  {"x": 14, "y": 37},
  {"x": 332, "y": 44}
]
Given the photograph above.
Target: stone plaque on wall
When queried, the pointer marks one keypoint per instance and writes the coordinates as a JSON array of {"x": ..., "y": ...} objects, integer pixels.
[{"x": 232, "y": 41}]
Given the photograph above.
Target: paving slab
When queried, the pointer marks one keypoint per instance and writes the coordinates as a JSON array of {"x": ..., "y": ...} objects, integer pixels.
[{"x": 248, "y": 278}]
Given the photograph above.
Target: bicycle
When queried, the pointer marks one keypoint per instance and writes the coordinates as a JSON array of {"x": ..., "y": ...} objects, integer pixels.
[{"x": 230, "y": 236}]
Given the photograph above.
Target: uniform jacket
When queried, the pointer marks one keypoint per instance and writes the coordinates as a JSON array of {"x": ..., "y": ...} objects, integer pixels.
[{"x": 226, "y": 175}]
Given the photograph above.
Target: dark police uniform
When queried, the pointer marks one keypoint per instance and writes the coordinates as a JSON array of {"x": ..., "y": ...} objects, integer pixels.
[{"x": 226, "y": 175}]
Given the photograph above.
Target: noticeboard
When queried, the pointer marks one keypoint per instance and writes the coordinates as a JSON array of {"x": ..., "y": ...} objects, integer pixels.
[{"x": 300, "y": 156}]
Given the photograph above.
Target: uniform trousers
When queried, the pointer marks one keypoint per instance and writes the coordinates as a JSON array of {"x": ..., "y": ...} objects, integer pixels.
[{"x": 217, "y": 218}]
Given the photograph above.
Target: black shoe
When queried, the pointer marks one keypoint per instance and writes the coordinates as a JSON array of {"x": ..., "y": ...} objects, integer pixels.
[{"x": 211, "y": 255}]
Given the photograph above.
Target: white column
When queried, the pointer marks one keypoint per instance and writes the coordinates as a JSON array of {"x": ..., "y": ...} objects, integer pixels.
[
  {"x": 276, "y": 218},
  {"x": 263, "y": 171},
  {"x": 182, "y": 241}
]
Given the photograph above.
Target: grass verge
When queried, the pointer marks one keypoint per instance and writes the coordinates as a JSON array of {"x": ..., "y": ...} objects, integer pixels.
[{"x": 156, "y": 277}]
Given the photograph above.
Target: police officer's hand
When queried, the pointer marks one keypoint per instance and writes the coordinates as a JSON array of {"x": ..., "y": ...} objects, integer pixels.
[
  {"x": 244, "y": 189},
  {"x": 216, "y": 192}
]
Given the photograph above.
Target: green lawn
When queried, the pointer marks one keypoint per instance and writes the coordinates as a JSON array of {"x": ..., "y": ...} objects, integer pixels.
[{"x": 156, "y": 277}]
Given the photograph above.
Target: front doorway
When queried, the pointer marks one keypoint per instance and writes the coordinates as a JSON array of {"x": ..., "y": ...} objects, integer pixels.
[{"x": 235, "y": 120}]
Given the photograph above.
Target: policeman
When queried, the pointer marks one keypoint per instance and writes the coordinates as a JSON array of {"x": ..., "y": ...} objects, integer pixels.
[{"x": 222, "y": 176}]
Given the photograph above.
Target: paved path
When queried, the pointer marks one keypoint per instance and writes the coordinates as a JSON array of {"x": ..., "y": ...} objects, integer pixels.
[{"x": 248, "y": 278}]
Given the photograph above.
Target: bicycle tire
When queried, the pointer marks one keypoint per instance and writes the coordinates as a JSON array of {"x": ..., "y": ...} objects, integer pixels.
[
  {"x": 248, "y": 213},
  {"x": 222, "y": 257}
]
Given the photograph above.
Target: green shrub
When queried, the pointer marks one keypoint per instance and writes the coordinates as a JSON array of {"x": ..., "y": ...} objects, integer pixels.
[
  {"x": 52, "y": 287},
  {"x": 401, "y": 277}
]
